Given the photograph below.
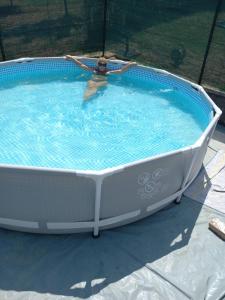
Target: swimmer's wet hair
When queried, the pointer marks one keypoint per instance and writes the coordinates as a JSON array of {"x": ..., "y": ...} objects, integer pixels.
[{"x": 102, "y": 60}]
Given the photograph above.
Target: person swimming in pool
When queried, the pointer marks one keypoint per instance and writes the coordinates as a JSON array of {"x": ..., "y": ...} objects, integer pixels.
[{"x": 100, "y": 72}]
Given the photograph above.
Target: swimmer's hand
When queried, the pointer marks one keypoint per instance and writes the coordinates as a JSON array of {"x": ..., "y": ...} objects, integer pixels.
[
  {"x": 127, "y": 66},
  {"x": 74, "y": 59},
  {"x": 123, "y": 69},
  {"x": 68, "y": 57}
]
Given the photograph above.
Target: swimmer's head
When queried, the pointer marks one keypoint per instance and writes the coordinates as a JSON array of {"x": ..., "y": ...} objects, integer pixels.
[{"x": 102, "y": 63}]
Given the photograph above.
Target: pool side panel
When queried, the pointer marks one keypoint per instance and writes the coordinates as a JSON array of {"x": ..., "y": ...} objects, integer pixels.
[
  {"x": 59, "y": 202},
  {"x": 142, "y": 185},
  {"x": 201, "y": 153},
  {"x": 38, "y": 196}
]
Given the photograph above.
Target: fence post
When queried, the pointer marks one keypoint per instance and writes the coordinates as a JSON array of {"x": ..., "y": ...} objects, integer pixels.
[
  {"x": 66, "y": 8},
  {"x": 104, "y": 27},
  {"x": 2, "y": 46},
  {"x": 219, "y": 3}
]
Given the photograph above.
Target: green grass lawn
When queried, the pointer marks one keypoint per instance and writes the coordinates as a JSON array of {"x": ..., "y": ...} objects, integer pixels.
[
  {"x": 167, "y": 34},
  {"x": 163, "y": 31}
]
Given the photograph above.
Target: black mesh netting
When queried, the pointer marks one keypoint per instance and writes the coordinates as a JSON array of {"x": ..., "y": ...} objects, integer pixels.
[
  {"x": 166, "y": 34},
  {"x": 214, "y": 74},
  {"x": 50, "y": 27},
  {"x": 169, "y": 34}
]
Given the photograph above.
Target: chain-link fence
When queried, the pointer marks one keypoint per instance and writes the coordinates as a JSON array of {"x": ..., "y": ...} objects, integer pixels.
[{"x": 186, "y": 37}]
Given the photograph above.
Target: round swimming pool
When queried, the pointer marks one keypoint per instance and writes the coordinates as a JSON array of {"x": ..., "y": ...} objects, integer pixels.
[{"x": 70, "y": 165}]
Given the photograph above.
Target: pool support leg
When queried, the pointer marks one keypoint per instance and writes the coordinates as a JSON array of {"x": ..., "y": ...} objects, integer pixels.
[
  {"x": 95, "y": 236},
  {"x": 97, "y": 206},
  {"x": 178, "y": 199}
]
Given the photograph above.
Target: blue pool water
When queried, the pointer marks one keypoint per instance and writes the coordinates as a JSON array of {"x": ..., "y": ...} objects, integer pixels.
[{"x": 44, "y": 121}]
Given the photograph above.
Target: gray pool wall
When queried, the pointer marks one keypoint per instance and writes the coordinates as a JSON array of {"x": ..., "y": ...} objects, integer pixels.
[{"x": 46, "y": 200}]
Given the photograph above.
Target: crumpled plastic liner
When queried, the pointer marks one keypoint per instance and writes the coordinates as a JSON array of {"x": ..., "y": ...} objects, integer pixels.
[{"x": 170, "y": 255}]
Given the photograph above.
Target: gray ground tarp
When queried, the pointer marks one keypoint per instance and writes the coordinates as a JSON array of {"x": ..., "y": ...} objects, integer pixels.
[
  {"x": 209, "y": 186},
  {"x": 170, "y": 255}
]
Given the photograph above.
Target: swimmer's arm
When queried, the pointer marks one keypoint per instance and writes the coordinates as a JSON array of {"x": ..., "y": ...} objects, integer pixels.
[
  {"x": 73, "y": 58},
  {"x": 126, "y": 67}
]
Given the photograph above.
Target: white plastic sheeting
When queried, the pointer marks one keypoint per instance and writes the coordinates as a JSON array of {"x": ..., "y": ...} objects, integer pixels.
[{"x": 170, "y": 255}]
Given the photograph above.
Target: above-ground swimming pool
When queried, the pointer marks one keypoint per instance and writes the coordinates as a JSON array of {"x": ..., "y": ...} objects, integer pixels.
[{"x": 68, "y": 165}]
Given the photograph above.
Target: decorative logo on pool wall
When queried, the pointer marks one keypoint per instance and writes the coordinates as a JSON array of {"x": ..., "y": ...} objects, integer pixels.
[{"x": 151, "y": 184}]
